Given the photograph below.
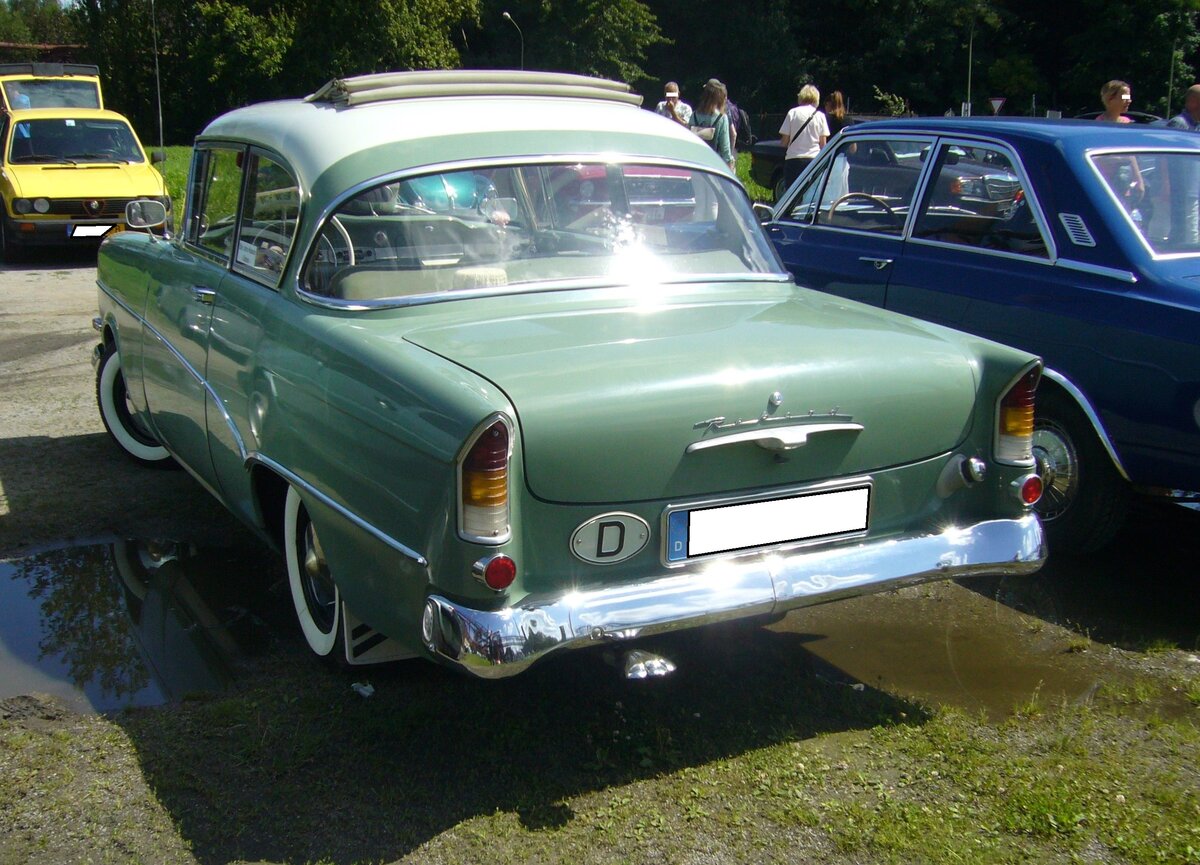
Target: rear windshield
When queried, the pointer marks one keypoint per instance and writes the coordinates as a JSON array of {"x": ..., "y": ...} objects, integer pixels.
[
  {"x": 528, "y": 224},
  {"x": 73, "y": 141},
  {"x": 1159, "y": 194}
]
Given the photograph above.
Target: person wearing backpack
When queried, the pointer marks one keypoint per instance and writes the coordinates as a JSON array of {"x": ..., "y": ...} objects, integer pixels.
[{"x": 710, "y": 115}]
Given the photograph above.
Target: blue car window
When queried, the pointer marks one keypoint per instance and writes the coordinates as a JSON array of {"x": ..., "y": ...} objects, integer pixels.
[
  {"x": 870, "y": 185},
  {"x": 976, "y": 198},
  {"x": 1159, "y": 193}
]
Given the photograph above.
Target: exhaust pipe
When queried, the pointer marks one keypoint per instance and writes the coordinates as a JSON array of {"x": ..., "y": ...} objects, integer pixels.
[{"x": 640, "y": 664}]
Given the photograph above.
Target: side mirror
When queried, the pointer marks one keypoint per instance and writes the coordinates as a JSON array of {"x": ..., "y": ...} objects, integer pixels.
[
  {"x": 157, "y": 156},
  {"x": 763, "y": 212},
  {"x": 145, "y": 213}
]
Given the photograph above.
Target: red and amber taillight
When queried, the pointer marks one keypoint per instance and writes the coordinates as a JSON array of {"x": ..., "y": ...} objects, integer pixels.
[
  {"x": 483, "y": 485},
  {"x": 1014, "y": 420}
]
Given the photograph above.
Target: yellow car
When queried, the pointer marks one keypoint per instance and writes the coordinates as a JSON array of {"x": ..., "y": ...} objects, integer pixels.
[{"x": 67, "y": 174}]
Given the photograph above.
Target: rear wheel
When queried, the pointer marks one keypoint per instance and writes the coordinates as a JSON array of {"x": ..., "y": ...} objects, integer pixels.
[
  {"x": 118, "y": 416},
  {"x": 781, "y": 185},
  {"x": 1084, "y": 499},
  {"x": 314, "y": 593}
]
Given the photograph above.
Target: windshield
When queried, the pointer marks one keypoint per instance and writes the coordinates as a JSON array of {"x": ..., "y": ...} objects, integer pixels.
[
  {"x": 1160, "y": 193},
  {"x": 528, "y": 224},
  {"x": 72, "y": 141},
  {"x": 52, "y": 93}
]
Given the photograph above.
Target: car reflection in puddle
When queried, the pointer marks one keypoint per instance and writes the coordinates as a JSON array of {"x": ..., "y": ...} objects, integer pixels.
[
  {"x": 130, "y": 623},
  {"x": 991, "y": 643}
]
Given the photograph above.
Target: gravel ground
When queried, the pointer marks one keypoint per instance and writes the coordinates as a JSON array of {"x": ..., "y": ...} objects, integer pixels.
[{"x": 58, "y": 469}]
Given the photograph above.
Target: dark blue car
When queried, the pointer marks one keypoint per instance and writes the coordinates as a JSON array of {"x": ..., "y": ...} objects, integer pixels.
[{"x": 1076, "y": 240}]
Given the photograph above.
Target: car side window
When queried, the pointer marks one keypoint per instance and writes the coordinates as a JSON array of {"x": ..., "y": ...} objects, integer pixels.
[
  {"x": 871, "y": 185},
  {"x": 213, "y": 199},
  {"x": 977, "y": 198},
  {"x": 269, "y": 222}
]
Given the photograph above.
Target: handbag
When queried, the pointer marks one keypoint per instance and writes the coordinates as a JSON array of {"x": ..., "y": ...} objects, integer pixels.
[{"x": 705, "y": 132}]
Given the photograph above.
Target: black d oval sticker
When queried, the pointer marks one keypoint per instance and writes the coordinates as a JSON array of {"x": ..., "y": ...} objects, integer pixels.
[{"x": 610, "y": 538}]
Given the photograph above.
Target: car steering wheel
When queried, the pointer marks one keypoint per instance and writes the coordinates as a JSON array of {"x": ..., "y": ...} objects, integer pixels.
[{"x": 874, "y": 199}]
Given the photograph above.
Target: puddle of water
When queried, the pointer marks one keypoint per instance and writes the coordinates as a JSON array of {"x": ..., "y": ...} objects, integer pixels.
[
  {"x": 991, "y": 643},
  {"x": 951, "y": 648},
  {"x": 129, "y": 623}
]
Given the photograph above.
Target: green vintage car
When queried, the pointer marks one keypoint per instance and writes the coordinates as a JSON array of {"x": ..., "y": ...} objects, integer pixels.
[{"x": 505, "y": 365}]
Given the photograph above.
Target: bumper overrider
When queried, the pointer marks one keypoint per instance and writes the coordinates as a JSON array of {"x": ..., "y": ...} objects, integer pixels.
[{"x": 499, "y": 643}]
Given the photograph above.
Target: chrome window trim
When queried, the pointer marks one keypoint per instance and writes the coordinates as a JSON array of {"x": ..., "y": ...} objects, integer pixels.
[
  {"x": 821, "y": 164},
  {"x": 829, "y": 486},
  {"x": 1086, "y": 407},
  {"x": 1039, "y": 216},
  {"x": 503, "y": 162},
  {"x": 242, "y": 269},
  {"x": 294, "y": 479},
  {"x": 229, "y": 262},
  {"x": 1098, "y": 270},
  {"x": 195, "y": 248},
  {"x": 1111, "y": 196},
  {"x": 208, "y": 389},
  {"x": 532, "y": 288}
]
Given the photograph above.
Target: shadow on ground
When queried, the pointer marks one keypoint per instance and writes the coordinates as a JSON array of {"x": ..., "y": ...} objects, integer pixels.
[
  {"x": 298, "y": 767},
  {"x": 1142, "y": 592}
]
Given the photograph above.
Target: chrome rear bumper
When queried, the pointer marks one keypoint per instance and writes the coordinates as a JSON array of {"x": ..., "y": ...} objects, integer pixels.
[{"x": 495, "y": 644}]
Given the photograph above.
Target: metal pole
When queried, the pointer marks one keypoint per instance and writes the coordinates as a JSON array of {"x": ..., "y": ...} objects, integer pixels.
[
  {"x": 1171, "y": 77},
  {"x": 970, "y": 59},
  {"x": 157, "y": 79},
  {"x": 510, "y": 20}
]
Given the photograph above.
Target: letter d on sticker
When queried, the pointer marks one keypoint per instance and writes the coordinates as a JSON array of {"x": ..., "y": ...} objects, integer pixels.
[{"x": 610, "y": 538}]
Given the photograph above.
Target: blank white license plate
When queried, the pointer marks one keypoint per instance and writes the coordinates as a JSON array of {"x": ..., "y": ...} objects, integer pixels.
[{"x": 747, "y": 526}]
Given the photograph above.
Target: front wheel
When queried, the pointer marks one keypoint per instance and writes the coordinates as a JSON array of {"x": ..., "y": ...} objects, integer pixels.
[
  {"x": 314, "y": 593},
  {"x": 119, "y": 418},
  {"x": 1084, "y": 499}
]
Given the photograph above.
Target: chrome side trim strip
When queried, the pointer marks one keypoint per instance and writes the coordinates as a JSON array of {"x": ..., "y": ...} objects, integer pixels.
[
  {"x": 297, "y": 481},
  {"x": 211, "y": 394},
  {"x": 1097, "y": 270},
  {"x": 493, "y": 644},
  {"x": 1093, "y": 418}
]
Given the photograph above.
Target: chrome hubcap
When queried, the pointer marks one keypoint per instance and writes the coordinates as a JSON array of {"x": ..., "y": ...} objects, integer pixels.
[
  {"x": 1058, "y": 465},
  {"x": 320, "y": 593}
]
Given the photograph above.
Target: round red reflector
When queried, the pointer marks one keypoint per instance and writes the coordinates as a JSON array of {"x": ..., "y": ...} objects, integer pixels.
[
  {"x": 500, "y": 573},
  {"x": 1031, "y": 490}
]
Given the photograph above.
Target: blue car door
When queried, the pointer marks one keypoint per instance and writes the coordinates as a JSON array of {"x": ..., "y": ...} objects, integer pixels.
[
  {"x": 842, "y": 229},
  {"x": 978, "y": 255}
]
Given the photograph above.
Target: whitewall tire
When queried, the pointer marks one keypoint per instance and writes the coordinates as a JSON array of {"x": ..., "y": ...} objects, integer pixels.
[
  {"x": 315, "y": 595},
  {"x": 118, "y": 417}
]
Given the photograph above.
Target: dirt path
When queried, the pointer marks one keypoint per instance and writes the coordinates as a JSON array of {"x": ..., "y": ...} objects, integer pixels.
[{"x": 57, "y": 466}]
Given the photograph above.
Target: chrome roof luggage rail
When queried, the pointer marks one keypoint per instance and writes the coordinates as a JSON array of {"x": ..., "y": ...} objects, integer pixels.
[{"x": 470, "y": 82}]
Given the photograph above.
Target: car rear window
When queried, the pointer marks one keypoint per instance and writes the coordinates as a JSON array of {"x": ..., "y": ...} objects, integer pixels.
[
  {"x": 1158, "y": 193},
  {"x": 524, "y": 225}
]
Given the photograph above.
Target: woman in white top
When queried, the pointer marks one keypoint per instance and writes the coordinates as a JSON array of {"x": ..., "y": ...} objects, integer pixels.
[{"x": 803, "y": 133}]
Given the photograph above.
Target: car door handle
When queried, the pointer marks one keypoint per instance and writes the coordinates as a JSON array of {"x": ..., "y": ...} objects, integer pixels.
[
  {"x": 879, "y": 263},
  {"x": 203, "y": 294}
]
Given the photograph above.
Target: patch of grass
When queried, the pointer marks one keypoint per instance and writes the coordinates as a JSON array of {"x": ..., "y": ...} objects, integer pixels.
[
  {"x": 175, "y": 172},
  {"x": 757, "y": 193}
]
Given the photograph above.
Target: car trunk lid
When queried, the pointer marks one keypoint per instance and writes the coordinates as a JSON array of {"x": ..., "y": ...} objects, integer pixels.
[{"x": 627, "y": 404}]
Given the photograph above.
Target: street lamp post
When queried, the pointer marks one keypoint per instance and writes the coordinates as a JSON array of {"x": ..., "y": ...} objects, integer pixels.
[{"x": 510, "y": 20}]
